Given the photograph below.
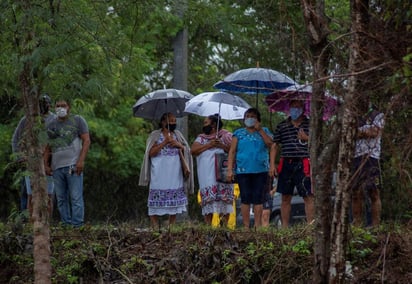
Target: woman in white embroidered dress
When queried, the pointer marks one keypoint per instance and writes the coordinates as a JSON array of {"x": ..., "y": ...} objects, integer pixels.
[
  {"x": 216, "y": 197},
  {"x": 161, "y": 166}
]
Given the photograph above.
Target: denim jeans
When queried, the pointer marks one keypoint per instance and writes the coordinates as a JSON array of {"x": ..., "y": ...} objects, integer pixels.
[
  {"x": 23, "y": 194},
  {"x": 69, "y": 193},
  {"x": 50, "y": 185}
]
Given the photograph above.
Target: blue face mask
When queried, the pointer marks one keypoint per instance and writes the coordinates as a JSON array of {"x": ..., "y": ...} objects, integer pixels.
[
  {"x": 250, "y": 121},
  {"x": 295, "y": 112}
]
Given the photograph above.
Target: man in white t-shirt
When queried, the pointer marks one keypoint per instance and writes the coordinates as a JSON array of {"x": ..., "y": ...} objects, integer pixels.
[{"x": 366, "y": 166}]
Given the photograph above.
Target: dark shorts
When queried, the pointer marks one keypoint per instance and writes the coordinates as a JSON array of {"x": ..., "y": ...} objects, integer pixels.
[
  {"x": 366, "y": 173},
  {"x": 252, "y": 187},
  {"x": 292, "y": 175}
]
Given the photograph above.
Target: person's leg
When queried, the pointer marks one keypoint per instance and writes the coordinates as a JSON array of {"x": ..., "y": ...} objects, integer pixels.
[
  {"x": 285, "y": 208},
  {"x": 75, "y": 184},
  {"x": 225, "y": 220},
  {"x": 246, "y": 198},
  {"x": 60, "y": 186},
  {"x": 172, "y": 220},
  {"x": 257, "y": 209},
  {"x": 208, "y": 219},
  {"x": 357, "y": 204},
  {"x": 245, "y": 210},
  {"x": 23, "y": 194},
  {"x": 376, "y": 207},
  {"x": 309, "y": 208},
  {"x": 154, "y": 222},
  {"x": 50, "y": 192},
  {"x": 373, "y": 185},
  {"x": 29, "y": 197},
  {"x": 259, "y": 185},
  {"x": 265, "y": 217}
]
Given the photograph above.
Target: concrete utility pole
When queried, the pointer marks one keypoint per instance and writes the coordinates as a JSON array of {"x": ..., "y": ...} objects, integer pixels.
[{"x": 180, "y": 69}]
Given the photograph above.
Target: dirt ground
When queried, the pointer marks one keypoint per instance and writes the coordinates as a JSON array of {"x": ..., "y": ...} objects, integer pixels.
[{"x": 195, "y": 254}]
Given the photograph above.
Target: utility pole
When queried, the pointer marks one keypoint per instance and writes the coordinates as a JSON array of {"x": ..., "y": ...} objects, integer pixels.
[{"x": 180, "y": 66}]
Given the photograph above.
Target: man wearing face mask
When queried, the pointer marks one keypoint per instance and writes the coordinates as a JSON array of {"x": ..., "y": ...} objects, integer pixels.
[
  {"x": 249, "y": 160},
  {"x": 294, "y": 168},
  {"x": 215, "y": 196},
  {"x": 68, "y": 144},
  {"x": 18, "y": 143}
]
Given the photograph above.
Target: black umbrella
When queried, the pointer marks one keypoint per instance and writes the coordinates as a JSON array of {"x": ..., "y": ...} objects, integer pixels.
[{"x": 154, "y": 104}]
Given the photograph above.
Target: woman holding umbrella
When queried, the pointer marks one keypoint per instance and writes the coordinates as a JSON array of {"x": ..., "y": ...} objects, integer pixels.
[
  {"x": 216, "y": 197},
  {"x": 166, "y": 148}
]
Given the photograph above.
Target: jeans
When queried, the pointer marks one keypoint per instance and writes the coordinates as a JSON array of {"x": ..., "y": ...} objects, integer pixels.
[
  {"x": 23, "y": 194},
  {"x": 69, "y": 193},
  {"x": 50, "y": 185}
]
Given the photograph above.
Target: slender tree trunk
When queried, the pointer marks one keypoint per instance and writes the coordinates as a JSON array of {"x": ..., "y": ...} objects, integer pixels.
[
  {"x": 353, "y": 99},
  {"x": 322, "y": 149},
  {"x": 40, "y": 218}
]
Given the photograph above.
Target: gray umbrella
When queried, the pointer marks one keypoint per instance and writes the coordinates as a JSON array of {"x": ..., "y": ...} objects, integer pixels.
[{"x": 153, "y": 105}]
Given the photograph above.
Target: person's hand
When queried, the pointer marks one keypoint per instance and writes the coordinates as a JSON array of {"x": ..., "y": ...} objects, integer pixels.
[
  {"x": 48, "y": 170},
  {"x": 258, "y": 126},
  {"x": 177, "y": 144},
  {"x": 79, "y": 168},
  {"x": 272, "y": 192},
  {"x": 168, "y": 139},
  {"x": 302, "y": 135},
  {"x": 230, "y": 176},
  {"x": 273, "y": 171},
  {"x": 215, "y": 143}
]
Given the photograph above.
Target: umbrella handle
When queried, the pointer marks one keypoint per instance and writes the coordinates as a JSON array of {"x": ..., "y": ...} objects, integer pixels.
[{"x": 218, "y": 120}]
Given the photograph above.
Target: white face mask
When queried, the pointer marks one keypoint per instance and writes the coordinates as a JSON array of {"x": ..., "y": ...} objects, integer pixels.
[{"x": 61, "y": 112}]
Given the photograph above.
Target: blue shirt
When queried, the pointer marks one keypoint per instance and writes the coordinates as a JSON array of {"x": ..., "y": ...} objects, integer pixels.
[{"x": 252, "y": 155}]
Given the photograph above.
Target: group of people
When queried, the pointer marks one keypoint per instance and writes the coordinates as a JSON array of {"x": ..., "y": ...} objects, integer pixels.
[
  {"x": 255, "y": 156},
  {"x": 65, "y": 151},
  {"x": 252, "y": 153}
]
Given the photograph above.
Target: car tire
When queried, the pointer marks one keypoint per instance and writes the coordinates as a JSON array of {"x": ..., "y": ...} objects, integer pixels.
[{"x": 277, "y": 221}]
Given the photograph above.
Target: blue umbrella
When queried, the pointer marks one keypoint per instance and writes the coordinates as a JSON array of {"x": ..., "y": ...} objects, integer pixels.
[{"x": 254, "y": 81}]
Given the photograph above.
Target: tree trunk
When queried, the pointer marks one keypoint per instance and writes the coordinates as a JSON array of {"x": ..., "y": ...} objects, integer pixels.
[
  {"x": 40, "y": 218},
  {"x": 352, "y": 100},
  {"x": 322, "y": 149}
]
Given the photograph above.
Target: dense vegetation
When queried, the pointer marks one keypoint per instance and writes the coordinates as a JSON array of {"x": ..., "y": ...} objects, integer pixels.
[{"x": 191, "y": 253}]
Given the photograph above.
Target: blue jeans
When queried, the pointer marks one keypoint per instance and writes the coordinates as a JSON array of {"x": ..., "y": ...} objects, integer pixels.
[
  {"x": 69, "y": 193},
  {"x": 23, "y": 194},
  {"x": 50, "y": 185}
]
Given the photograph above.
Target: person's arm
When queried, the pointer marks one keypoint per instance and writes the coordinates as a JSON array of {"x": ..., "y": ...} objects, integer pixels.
[
  {"x": 266, "y": 138},
  {"x": 18, "y": 135},
  {"x": 272, "y": 159},
  {"x": 371, "y": 131},
  {"x": 85, "y": 137},
  {"x": 198, "y": 148},
  {"x": 47, "y": 160},
  {"x": 231, "y": 159}
]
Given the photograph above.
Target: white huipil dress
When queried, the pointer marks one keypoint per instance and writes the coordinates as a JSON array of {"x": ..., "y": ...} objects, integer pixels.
[
  {"x": 166, "y": 191},
  {"x": 216, "y": 197}
]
